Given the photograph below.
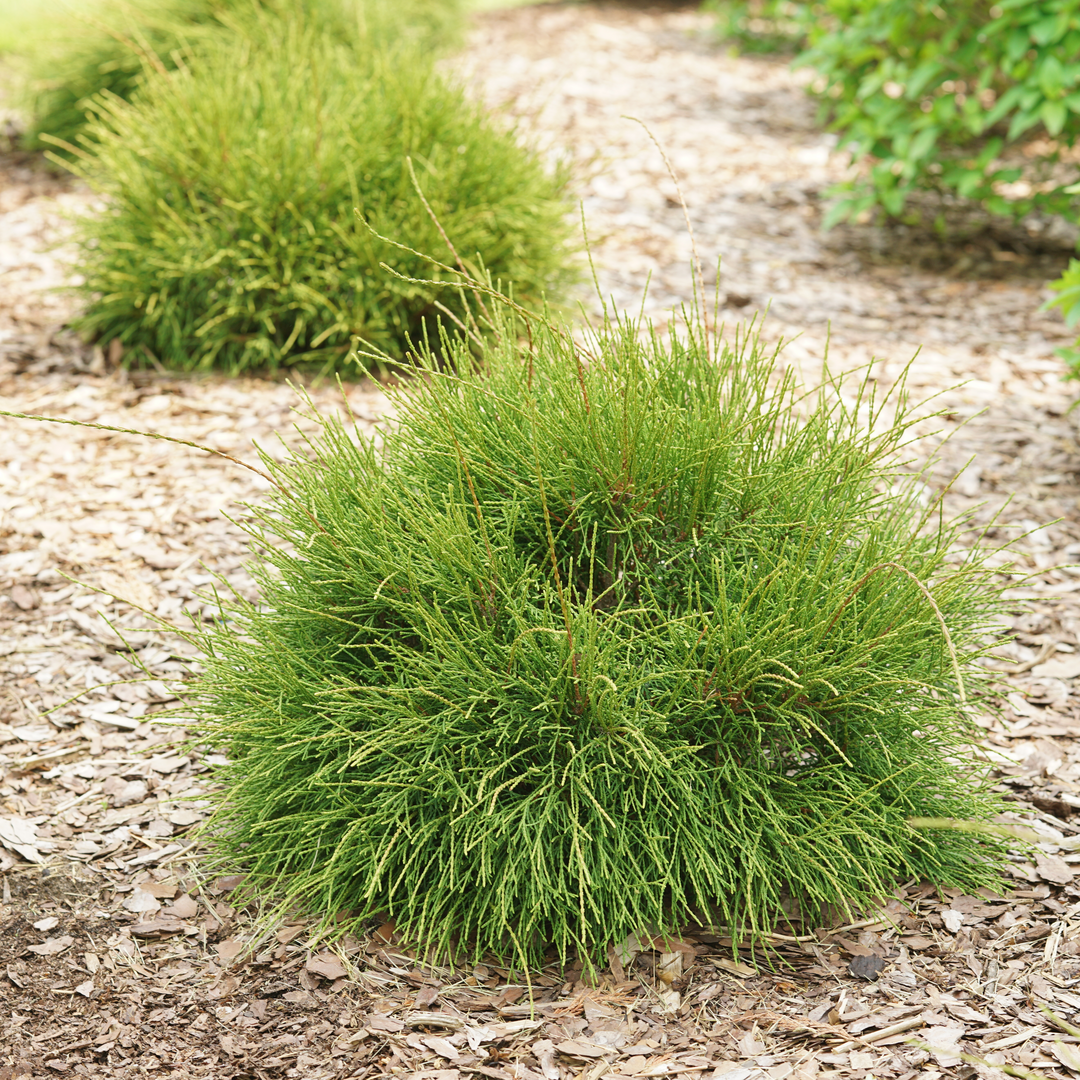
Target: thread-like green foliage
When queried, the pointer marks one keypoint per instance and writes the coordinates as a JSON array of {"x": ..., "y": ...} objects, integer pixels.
[
  {"x": 596, "y": 641},
  {"x": 108, "y": 49},
  {"x": 230, "y": 238}
]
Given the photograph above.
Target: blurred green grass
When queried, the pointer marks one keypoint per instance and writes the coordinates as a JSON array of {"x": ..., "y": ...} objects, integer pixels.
[{"x": 24, "y": 24}]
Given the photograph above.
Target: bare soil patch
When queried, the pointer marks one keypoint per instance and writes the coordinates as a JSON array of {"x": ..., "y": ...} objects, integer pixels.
[{"x": 120, "y": 956}]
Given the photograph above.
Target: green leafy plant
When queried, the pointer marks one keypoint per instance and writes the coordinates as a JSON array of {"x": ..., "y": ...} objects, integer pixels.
[
  {"x": 974, "y": 100},
  {"x": 604, "y": 636},
  {"x": 1067, "y": 288},
  {"x": 108, "y": 49},
  {"x": 230, "y": 240},
  {"x": 971, "y": 99},
  {"x": 759, "y": 26}
]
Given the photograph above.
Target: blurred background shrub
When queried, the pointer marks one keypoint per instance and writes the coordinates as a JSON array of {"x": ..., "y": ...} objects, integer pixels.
[
  {"x": 759, "y": 26},
  {"x": 229, "y": 238},
  {"x": 109, "y": 46},
  {"x": 976, "y": 101},
  {"x": 973, "y": 99}
]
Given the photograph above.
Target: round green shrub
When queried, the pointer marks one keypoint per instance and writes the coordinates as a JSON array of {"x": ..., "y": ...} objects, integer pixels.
[
  {"x": 107, "y": 53},
  {"x": 230, "y": 238},
  {"x": 599, "y": 640},
  {"x": 108, "y": 49}
]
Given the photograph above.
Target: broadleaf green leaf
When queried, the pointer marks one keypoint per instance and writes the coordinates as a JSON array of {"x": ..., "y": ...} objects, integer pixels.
[{"x": 1053, "y": 114}]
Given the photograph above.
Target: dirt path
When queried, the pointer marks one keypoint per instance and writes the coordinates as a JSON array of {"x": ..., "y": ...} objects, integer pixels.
[{"x": 119, "y": 957}]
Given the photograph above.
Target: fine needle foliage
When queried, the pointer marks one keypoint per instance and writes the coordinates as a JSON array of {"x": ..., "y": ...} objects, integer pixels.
[
  {"x": 109, "y": 48},
  {"x": 106, "y": 50},
  {"x": 231, "y": 238},
  {"x": 601, "y": 640}
]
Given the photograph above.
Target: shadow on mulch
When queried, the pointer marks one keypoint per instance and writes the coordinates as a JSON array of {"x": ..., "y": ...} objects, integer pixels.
[{"x": 969, "y": 244}]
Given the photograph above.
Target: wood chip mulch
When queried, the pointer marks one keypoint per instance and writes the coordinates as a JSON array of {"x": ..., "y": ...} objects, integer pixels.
[{"x": 121, "y": 954}]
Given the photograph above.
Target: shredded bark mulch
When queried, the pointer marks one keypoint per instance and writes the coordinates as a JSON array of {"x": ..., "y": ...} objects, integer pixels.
[{"x": 121, "y": 953}]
